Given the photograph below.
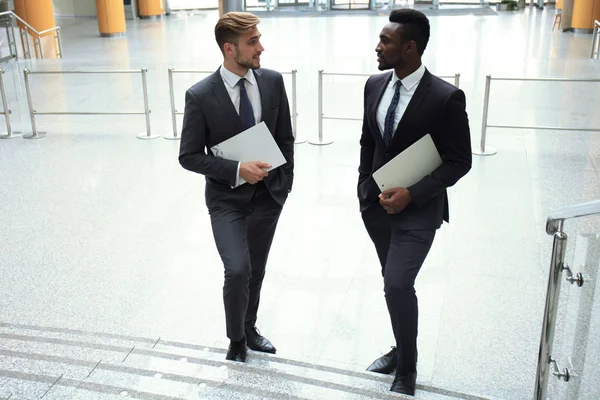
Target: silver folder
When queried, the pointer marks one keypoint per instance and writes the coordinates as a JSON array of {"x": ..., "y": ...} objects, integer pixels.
[
  {"x": 254, "y": 144},
  {"x": 410, "y": 166}
]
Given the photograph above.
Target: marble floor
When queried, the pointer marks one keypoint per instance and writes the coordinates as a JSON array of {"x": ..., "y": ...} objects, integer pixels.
[{"x": 109, "y": 273}]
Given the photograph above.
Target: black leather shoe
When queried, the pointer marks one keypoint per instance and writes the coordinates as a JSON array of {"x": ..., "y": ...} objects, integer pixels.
[
  {"x": 405, "y": 383},
  {"x": 257, "y": 342},
  {"x": 237, "y": 351},
  {"x": 386, "y": 364}
]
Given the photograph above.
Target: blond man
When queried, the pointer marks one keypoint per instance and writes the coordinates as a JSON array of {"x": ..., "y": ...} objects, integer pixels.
[{"x": 244, "y": 217}]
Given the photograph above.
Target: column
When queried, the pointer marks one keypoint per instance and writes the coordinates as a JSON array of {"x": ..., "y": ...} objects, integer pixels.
[
  {"x": 151, "y": 9},
  {"x": 111, "y": 17},
  {"x": 226, "y": 6},
  {"x": 584, "y": 13}
]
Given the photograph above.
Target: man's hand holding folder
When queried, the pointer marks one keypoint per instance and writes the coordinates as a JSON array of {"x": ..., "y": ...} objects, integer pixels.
[
  {"x": 395, "y": 200},
  {"x": 253, "y": 172},
  {"x": 255, "y": 143},
  {"x": 406, "y": 169}
]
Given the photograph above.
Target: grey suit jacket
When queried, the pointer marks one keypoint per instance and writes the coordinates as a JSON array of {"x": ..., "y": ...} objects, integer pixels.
[{"x": 210, "y": 118}]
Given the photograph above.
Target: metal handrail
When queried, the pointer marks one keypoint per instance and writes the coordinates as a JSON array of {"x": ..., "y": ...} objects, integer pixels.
[
  {"x": 38, "y": 34},
  {"x": 20, "y": 19},
  {"x": 56, "y": 28},
  {"x": 557, "y": 217},
  {"x": 554, "y": 226}
]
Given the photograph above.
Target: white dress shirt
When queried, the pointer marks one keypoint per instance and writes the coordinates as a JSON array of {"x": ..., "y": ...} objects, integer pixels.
[
  {"x": 407, "y": 90},
  {"x": 231, "y": 84}
]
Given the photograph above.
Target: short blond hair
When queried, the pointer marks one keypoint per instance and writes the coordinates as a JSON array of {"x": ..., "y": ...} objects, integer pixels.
[{"x": 231, "y": 25}]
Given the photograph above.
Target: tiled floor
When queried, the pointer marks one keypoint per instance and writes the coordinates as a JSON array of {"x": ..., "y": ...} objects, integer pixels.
[{"x": 104, "y": 233}]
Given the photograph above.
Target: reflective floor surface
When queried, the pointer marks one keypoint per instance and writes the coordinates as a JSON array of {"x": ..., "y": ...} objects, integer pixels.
[{"x": 110, "y": 276}]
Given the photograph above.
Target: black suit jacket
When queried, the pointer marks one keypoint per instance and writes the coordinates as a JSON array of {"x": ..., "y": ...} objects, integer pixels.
[
  {"x": 437, "y": 108},
  {"x": 210, "y": 118}
]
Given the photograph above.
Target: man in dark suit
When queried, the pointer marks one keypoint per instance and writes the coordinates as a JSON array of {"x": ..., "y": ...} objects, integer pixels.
[
  {"x": 400, "y": 107},
  {"x": 243, "y": 217}
]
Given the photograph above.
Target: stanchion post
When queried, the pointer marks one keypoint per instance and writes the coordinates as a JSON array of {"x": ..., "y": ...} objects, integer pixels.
[
  {"x": 26, "y": 50},
  {"x": 596, "y": 41},
  {"x": 457, "y": 80},
  {"x": 25, "y": 35},
  {"x": 297, "y": 139},
  {"x": 320, "y": 105},
  {"x": 10, "y": 45},
  {"x": 319, "y": 141},
  {"x": 483, "y": 151},
  {"x": 34, "y": 133},
  {"x": 173, "y": 109},
  {"x": 594, "y": 36},
  {"x": 39, "y": 43},
  {"x": 59, "y": 43},
  {"x": 14, "y": 40},
  {"x": 148, "y": 135},
  {"x": 9, "y": 134}
]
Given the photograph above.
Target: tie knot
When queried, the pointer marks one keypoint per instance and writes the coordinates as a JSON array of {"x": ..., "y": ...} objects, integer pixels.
[
  {"x": 241, "y": 82},
  {"x": 398, "y": 84}
]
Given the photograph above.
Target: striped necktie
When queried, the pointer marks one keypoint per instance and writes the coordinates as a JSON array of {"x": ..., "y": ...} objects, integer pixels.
[{"x": 388, "y": 132}]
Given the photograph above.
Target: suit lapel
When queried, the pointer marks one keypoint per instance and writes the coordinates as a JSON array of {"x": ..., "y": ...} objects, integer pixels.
[
  {"x": 223, "y": 98},
  {"x": 374, "y": 104},
  {"x": 415, "y": 102},
  {"x": 265, "y": 94}
]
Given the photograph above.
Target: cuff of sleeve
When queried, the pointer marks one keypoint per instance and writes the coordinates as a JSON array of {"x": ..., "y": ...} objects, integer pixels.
[{"x": 237, "y": 176}]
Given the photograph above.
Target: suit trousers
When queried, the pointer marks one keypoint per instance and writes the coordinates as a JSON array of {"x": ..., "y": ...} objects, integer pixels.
[
  {"x": 401, "y": 254},
  {"x": 243, "y": 235}
]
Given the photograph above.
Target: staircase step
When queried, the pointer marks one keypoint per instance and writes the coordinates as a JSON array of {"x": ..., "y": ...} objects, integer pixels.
[{"x": 67, "y": 364}]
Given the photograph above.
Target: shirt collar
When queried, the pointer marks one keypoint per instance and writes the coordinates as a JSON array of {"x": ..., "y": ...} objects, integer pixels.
[
  {"x": 232, "y": 79},
  {"x": 411, "y": 80}
]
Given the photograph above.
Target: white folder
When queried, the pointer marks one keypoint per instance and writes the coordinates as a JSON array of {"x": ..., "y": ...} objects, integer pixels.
[
  {"x": 254, "y": 144},
  {"x": 410, "y": 166}
]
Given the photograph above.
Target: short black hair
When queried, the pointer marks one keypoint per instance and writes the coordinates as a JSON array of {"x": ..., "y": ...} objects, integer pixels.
[{"x": 415, "y": 26}]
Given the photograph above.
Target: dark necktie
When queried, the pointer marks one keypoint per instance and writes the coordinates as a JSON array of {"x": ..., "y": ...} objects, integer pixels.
[
  {"x": 246, "y": 111},
  {"x": 388, "y": 132}
]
